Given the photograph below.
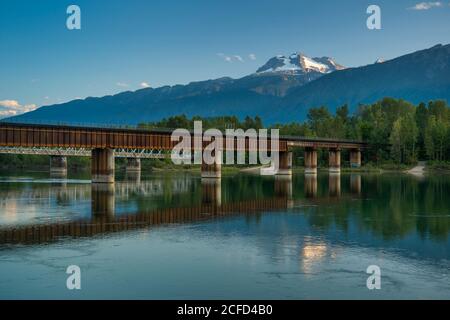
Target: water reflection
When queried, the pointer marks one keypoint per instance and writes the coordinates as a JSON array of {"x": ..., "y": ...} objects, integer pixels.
[
  {"x": 57, "y": 175},
  {"x": 334, "y": 185},
  {"x": 103, "y": 200},
  {"x": 133, "y": 176},
  {"x": 390, "y": 207},
  {"x": 311, "y": 254},
  {"x": 283, "y": 187},
  {"x": 211, "y": 192},
  {"x": 355, "y": 184},
  {"x": 311, "y": 186},
  {"x": 270, "y": 237}
]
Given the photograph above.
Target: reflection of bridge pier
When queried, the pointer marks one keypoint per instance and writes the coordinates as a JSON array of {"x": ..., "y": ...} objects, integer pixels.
[
  {"x": 283, "y": 187},
  {"x": 58, "y": 166},
  {"x": 334, "y": 185},
  {"x": 103, "y": 200},
  {"x": 311, "y": 186},
  {"x": 133, "y": 176},
  {"x": 355, "y": 184},
  {"x": 211, "y": 192}
]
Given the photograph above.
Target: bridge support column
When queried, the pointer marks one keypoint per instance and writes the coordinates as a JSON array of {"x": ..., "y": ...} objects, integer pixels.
[
  {"x": 310, "y": 161},
  {"x": 213, "y": 170},
  {"x": 334, "y": 160},
  {"x": 102, "y": 166},
  {"x": 58, "y": 165},
  {"x": 355, "y": 158},
  {"x": 133, "y": 165},
  {"x": 285, "y": 164}
]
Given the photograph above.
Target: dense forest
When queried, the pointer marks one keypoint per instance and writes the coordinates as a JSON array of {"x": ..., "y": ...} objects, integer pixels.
[{"x": 398, "y": 132}]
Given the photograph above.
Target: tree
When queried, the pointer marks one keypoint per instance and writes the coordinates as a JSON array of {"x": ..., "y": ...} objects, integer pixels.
[{"x": 404, "y": 138}]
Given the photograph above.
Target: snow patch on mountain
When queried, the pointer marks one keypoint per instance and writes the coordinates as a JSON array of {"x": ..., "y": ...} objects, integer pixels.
[{"x": 298, "y": 63}]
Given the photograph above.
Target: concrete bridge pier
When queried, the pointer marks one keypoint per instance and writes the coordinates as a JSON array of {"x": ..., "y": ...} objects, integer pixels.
[
  {"x": 102, "y": 166},
  {"x": 213, "y": 170},
  {"x": 334, "y": 160},
  {"x": 285, "y": 164},
  {"x": 355, "y": 158},
  {"x": 211, "y": 192},
  {"x": 334, "y": 185},
  {"x": 311, "y": 186},
  {"x": 103, "y": 200},
  {"x": 133, "y": 170},
  {"x": 133, "y": 165},
  {"x": 310, "y": 161},
  {"x": 58, "y": 165}
]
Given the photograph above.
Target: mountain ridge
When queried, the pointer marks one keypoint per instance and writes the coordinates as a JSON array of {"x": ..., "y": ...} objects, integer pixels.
[{"x": 277, "y": 95}]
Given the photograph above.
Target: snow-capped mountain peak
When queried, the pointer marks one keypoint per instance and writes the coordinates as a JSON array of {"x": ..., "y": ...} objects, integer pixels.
[{"x": 299, "y": 63}]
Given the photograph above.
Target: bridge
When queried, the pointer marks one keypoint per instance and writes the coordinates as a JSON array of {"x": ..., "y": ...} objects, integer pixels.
[{"x": 103, "y": 144}]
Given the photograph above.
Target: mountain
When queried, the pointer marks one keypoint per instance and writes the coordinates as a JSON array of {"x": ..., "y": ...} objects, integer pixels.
[
  {"x": 241, "y": 97},
  {"x": 282, "y": 90},
  {"x": 300, "y": 64},
  {"x": 417, "y": 77}
]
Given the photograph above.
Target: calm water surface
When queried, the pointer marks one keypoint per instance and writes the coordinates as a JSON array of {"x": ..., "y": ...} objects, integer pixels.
[{"x": 178, "y": 237}]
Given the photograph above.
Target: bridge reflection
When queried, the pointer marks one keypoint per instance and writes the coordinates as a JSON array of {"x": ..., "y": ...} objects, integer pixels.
[{"x": 104, "y": 218}]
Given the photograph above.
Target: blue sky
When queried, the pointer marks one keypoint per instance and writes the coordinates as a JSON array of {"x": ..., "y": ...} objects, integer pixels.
[{"x": 126, "y": 45}]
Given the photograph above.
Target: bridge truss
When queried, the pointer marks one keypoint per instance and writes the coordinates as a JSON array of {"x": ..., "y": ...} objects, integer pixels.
[{"x": 85, "y": 152}]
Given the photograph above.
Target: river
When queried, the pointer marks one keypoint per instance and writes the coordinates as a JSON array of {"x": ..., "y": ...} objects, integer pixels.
[{"x": 176, "y": 236}]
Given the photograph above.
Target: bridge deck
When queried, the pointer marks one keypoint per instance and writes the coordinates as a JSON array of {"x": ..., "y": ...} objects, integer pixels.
[{"x": 54, "y": 136}]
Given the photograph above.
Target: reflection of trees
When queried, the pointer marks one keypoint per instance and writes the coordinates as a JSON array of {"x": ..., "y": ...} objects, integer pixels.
[
  {"x": 390, "y": 207},
  {"x": 387, "y": 206}
]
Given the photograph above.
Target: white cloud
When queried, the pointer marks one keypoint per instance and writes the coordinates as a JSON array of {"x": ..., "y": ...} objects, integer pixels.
[
  {"x": 9, "y": 108},
  {"x": 122, "y": 84},
  {"x": 238, "y": 58},
  {"x": 145, "y": 85},
  {"x": 426, "y": 5},
  {"x": 230, "y": 58},
  {"x": 224, "y": 57},
  {"x": 13, "y": 104},
  {"x": 252, "y": 56}
]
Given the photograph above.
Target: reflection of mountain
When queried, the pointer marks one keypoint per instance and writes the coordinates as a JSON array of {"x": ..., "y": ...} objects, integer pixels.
[{"x": 282, "y": 90}]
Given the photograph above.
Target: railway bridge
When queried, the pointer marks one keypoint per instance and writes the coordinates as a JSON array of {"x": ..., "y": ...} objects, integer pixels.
[{"x": 104, "y": 144}]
